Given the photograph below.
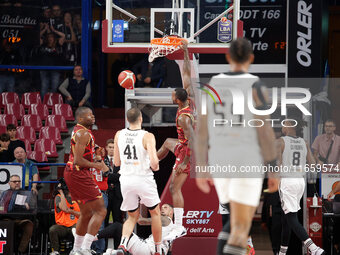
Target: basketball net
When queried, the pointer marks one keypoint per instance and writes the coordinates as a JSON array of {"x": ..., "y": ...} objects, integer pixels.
[{"x": 161, "y": 47}]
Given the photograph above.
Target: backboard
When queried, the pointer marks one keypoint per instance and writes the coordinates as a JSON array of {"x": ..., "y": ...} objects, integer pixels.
[{"x": 130, "y": 25}]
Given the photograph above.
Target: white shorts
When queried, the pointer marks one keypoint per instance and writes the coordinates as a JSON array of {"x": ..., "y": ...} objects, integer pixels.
[
  {"x": 138, "y": 189},
  {"x": 291, "y": 191},
  {"x": 245, "y": 191}
]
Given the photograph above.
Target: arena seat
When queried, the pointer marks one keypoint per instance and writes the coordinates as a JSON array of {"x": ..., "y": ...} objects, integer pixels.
[
  {"x": 28, "y": 146},
  {"x": 47, "y": 146},
  {"x": 29, "y": 98},
  {"x": 3, "y": 129},
  {"x": 6, "y": 119},
  {"x": 39, "y": 157},
  {"x": 51, "y": 99},
  {"x": 15, "y": 109},
  {"x": 26, "y": 133},
  {"x": 56, "y": 121},
  {"x": 33, "y": 121},
  {"x": 39, "y": 109},
  {"x": 52, "y": 133},
  {"x": 9, "y": 97},
  {"x": 64, "y": 110}
]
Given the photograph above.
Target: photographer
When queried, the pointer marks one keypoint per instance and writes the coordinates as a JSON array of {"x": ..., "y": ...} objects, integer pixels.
[{"x": 66, "y": 214}]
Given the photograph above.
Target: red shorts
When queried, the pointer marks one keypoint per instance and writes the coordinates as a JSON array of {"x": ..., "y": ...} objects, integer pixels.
[
  {"x": 180, "y": 152},
  {"x": 81, "y": 185}
]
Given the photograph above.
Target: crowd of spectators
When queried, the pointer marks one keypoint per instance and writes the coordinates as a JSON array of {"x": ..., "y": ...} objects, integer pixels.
[{"x": 66, "y": 211}]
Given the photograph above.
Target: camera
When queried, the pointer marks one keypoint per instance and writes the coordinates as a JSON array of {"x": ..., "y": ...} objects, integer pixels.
[{"x": 60, "y": 186}]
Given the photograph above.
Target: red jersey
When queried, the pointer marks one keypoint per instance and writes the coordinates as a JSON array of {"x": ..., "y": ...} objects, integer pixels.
[
  {"x": 188, "y": 111},
  {"x": 99, "y": 179},
  {"x": 89, "y": 149}
]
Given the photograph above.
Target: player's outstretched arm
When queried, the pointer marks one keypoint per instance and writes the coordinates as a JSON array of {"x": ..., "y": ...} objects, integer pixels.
[
  {"x": 116, "y": 158},
  {"x": 147, "y": 221},
  {"x": 187, "y": 70},
  {"x": 150, "y": 145}
]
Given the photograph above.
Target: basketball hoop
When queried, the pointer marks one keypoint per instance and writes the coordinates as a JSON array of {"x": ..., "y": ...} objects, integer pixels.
[{"x": 161, "y": 47}]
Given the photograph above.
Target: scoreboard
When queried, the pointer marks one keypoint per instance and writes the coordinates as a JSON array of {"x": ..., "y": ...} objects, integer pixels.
[{"x": 264, "y": 24}]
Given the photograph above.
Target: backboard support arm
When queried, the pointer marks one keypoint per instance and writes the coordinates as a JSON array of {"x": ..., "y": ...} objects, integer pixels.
[{"x": 132, "y": 16}]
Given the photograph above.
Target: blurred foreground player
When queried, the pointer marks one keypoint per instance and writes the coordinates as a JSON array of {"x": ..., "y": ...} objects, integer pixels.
[
  {"x": 135, "y": 153},
  {"x": 82, "y": 187},
  {"x": 293, "y": 153},
  {"x": 257, "y": 143},
  {"x": 180, "y": 147}
]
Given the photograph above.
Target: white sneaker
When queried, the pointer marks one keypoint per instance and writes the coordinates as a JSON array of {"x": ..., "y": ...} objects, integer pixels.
[
  {"x": 74, "y": 232},
  {"x": 75, "y": 252},
  {"x": 86, "y": 252},
  {"x": 318, "y": 251},
  {"x": 54, "y": 253},
  {"x": 178, "y": 231}
]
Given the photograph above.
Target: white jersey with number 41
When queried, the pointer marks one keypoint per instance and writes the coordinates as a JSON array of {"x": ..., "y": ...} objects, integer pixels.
[{"x": 133, "y": 156}]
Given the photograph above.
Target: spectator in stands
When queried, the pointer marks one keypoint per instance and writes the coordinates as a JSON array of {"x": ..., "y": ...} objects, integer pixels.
[
  {"x": 57, "y": 19},
  {"x": 327, "y": 146},
  {"x": 66, "y": 213},
  {"x": 70, "y": 39},
  {"x": 24, "y": 227},
  {"x": 77, "y": 89},
  {"x": 149, "y": 74},
  {"x": 21, "y": 157},
  {"x": 114, "y": 194},
  {"x": 12, "y": 132},
  {"x": 51, "y": 53},
  {"x": 4, "y": 153},
  {"x": 45, "y": 23}
]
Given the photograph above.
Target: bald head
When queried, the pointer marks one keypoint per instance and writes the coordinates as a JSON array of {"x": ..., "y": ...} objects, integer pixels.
[
  {"x": 81, "y": 111},
  {"x": 133, "y": 115}
]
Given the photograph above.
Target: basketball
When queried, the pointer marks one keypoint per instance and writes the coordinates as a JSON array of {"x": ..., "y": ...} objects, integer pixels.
[
  {"x": 224, "y": 19},
  {"x": 127, "y": 79}
]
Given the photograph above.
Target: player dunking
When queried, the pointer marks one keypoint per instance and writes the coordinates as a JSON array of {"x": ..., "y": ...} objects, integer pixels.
[
  {"x": 293, "y": 153},
  {"x": 183, "y": 97},
  {"x": 237, "y": 145},
  {"x": 80, "y": 182},
  {"x": 135, "y": 151}
]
